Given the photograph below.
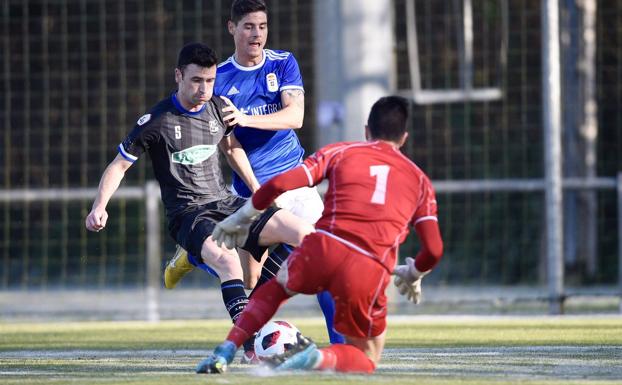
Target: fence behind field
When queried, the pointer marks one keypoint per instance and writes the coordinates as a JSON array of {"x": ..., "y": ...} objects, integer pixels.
[
  {"x": 76, "y": 74},
  {"x": 147, "y": 265}
]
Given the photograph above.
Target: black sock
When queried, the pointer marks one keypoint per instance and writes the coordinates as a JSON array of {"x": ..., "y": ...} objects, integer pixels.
[
  {"x": 234, "y": 297},
  {"x": 273, "y": 264}
]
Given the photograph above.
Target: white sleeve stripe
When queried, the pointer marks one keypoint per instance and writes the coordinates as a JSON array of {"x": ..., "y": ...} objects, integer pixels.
[
  {"x": 426, "y": 218},
  {"x": 309, "y": 177},
  {"x": 276, "y": 55},
  {"x": 292, "y": 87},
  {"x": 223, "y": 63},
  {"x": 126, "y": 154}
]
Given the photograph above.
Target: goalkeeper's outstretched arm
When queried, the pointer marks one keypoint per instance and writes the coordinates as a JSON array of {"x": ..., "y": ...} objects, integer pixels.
[{"x": 289, "y": 180}]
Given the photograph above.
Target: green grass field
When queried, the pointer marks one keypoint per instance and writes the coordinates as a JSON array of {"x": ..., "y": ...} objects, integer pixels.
[{"x": 430, "y": 350}]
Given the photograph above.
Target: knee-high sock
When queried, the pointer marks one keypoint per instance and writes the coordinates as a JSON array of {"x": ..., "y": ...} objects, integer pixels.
[
  {"x": 345, "y": 358},
  {"x": 272, "y": 264},
  {"x": 268, "y": 271},
  {"x": 262, "y": 306},
  {"x": 327, "y": 304},
  {"x": 234, "y": 297}
]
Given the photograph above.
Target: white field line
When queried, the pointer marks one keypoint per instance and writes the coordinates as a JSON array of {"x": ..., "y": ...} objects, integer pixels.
[{"x": 518, "y": 363}]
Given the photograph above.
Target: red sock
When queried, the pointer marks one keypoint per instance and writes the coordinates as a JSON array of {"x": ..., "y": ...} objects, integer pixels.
[
  {"x": 262, "y": 306},
  {"x": 345, "y": 358}
]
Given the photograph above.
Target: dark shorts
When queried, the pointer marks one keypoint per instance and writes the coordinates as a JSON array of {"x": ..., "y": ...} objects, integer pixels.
[{"x": 192, "y": 228}]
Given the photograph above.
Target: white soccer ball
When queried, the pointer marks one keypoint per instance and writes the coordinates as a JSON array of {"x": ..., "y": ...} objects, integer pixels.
[{"x": 275, "y": 337}]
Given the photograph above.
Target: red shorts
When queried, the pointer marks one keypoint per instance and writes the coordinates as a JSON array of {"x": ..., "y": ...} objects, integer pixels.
[{"x": 356, "y": 282}]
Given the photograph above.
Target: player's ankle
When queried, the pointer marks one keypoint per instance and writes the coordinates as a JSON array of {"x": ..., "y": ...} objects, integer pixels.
[{"x": 237, "y": 335}]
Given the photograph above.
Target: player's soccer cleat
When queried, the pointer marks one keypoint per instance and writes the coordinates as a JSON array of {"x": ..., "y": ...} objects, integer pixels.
[
  {"x": 303, "y": 356},
  {"x": 177, "y": 268},
  {"x": 217, "y": 363},
  {"x": 250, "y": 358},
  {"x": 307, "y": 359},
  {"x": 212, "y": 365}
]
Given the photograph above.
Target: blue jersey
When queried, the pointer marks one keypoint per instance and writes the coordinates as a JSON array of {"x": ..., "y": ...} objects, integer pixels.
[{"x": 257, "y": 91}]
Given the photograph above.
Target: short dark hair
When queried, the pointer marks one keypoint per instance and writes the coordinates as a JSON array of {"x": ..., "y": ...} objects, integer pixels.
[
  {"x": 388, "y": 118},
  {"x": 241, "y": 8},
  {"x": 196, "y": 53}
]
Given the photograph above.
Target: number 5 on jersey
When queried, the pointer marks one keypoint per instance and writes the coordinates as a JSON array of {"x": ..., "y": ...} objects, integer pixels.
[{"x": 381, "y": 173}]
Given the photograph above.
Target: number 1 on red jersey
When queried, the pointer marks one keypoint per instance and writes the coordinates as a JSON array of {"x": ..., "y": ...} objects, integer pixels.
[{"x": 381, "y": 173}]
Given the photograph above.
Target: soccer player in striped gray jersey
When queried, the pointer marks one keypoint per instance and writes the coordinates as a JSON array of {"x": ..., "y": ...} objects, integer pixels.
[
  {"x": 265, "y": 95},
  {"x": 183, "y": 134}
]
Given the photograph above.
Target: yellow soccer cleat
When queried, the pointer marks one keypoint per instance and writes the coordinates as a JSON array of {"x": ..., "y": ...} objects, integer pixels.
[{"x": 176, "y": 268}]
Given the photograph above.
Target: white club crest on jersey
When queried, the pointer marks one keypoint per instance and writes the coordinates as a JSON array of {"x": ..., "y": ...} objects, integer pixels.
[
  {"x": 272, "y": 82},
  {"x": 213, "y": 126},
  {"x": 233, "y": 91},
  {"x": 143, "y": 119}
]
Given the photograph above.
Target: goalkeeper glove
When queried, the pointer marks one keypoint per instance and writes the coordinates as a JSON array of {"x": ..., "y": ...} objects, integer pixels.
[
  {"x": 233, "y": 230},
  {"x": 408, "y": 280}
]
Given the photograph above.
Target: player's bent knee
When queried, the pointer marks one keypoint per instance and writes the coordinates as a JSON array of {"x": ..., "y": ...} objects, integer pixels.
[
  {"x": 281, "y": 279},
  {"x": 225, "y": 262},
  {"x": 372, "y": 347},
  {"x": 304, "y": 230},
  {"x": 284, "y": 227}
]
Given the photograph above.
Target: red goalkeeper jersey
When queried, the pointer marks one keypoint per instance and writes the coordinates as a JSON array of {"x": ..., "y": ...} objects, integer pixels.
[{"x": 374, "y": 193}]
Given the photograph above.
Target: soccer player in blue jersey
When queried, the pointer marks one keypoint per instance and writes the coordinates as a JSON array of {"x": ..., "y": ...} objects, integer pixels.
[
  {"x": 266, "y": 92},
  {"x": 265, "y": 95}
]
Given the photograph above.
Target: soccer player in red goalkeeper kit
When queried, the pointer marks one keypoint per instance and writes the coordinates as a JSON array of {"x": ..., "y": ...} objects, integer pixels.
[{"x": 375, "y": 194}]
